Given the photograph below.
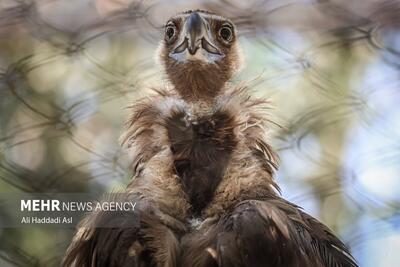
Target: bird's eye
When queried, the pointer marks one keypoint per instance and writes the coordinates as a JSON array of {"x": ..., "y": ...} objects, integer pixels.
[
  {"x": 169, "y": 32},
  {"x": 226, "y": 33}
]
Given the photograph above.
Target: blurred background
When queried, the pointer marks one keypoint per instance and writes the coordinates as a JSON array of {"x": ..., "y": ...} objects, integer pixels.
[{"x": 331, "y": 70}]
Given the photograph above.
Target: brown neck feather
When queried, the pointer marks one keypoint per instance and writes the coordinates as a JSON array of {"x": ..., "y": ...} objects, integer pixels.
[{"x": 196, "y": 81}]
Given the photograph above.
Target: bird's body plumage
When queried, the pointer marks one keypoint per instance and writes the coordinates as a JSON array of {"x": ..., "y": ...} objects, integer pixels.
[{"x": 203, "y": 174}]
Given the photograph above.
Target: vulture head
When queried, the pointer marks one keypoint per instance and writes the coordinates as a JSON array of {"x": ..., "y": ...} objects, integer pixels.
[{"x": 199, "y": 53}]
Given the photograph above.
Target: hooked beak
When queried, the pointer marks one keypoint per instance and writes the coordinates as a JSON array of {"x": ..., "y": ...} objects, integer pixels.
[
  {"x": 194, "y": 25},
  {"x": 195, "y": 35}
]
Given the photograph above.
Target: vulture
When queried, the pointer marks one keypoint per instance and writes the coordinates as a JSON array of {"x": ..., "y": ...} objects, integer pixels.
[{"x": 203, "y": 171}]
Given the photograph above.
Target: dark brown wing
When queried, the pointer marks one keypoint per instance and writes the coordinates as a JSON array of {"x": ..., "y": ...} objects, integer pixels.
[
  {"x": 144, "y": 243},
  {"x": 266, "y": 233},
  {"x": 106, "y": 246}
]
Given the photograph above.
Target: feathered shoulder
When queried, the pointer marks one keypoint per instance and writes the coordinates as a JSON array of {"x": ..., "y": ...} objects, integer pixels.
[{"x": 146, "y": 131}]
